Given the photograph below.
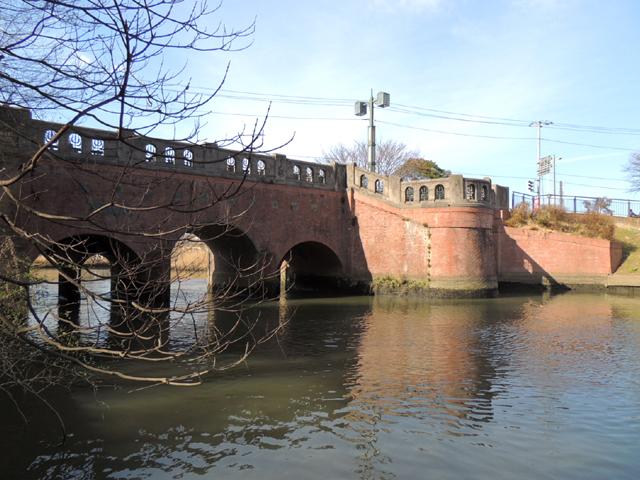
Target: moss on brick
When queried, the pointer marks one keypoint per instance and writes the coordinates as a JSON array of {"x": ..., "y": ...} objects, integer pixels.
[{"x": 399, "y": 286}]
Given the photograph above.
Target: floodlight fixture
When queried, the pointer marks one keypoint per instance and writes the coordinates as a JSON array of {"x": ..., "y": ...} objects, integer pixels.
[{"x": 383, "y": 99}]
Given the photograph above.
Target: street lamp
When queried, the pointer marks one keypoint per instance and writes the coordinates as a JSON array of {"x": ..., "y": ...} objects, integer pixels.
[
  {"x": 539, "y": 124},
  {"x": 382, "y": 100}
]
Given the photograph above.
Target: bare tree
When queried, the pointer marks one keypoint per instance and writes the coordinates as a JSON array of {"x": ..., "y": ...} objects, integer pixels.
[
  {"x": 106, "y": 65},
  {"x": 633, "y": 169},
  {"x": 390, "y": 155},
  {"x": 598, "y": 205}
]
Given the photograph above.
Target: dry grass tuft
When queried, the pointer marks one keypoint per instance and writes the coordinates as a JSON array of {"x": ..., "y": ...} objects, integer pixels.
[
  {"x": 597, "y": 225},
  {"x": 520, "y": 215},
  {"x": 552, "y": 217}
]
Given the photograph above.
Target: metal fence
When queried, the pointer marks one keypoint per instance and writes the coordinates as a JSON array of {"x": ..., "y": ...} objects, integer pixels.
[{"x": 612, "y": 206}]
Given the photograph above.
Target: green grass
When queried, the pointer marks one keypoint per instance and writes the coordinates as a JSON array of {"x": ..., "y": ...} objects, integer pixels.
[{"x": 629, "y": 237}]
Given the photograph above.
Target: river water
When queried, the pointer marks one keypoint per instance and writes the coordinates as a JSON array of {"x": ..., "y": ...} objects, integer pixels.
[{"x": 527, "y": 387}]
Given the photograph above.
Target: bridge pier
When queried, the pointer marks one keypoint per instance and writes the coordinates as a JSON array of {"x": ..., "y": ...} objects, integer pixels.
[
  {"x": 152, "y": 281},
  {"x": 69, "y": 293},
  {"x": 146, "y": 283}
]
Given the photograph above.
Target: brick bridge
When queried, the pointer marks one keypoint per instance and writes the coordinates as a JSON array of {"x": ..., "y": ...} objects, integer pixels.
[{"x": 335, "y": 224}]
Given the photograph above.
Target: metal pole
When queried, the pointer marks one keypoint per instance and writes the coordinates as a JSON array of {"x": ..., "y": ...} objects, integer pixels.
[
  {"x": 538, "y": 163},
  {"x": 372, "y": 137},
  {"x": 554, "y": 179},
  {"x": 539, "y": 124}
]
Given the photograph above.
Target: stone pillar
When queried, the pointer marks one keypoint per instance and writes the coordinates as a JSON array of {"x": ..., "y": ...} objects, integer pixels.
[
  {"x": 146, "y": 284},
  {"x": 284, "y": 277},
  {"x": 69, "y": 293},
  {"x": 154, "y": 282}
]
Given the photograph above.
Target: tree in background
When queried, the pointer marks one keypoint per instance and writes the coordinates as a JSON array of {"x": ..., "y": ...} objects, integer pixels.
[
  {"x": 599, "y": 205},
  {"x": 392, "y": 158},
  {"x": 420, "y": 168},
  {"x": 390, "y": 155},
  {"x": 633, "y": 168}
]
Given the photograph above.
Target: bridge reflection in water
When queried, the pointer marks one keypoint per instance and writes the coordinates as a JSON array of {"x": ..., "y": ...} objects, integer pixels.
[{"x": 525, "y": 387}]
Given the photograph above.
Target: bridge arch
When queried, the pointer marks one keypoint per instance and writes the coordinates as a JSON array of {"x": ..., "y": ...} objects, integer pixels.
[
  {"x": 311, "y": 266},
  {"x": 232, "y": 260},
  {"x": 70, "y": 257}
]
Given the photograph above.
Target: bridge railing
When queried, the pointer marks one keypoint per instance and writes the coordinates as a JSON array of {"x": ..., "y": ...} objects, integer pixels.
[
  {"x": 86, "y": 145},
  {"x": 618, "y": 207}
]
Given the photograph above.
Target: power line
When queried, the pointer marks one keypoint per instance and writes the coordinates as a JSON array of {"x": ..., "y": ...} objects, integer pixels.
[
  {"x": 560, "y": 175},
  {"x": 512, "y": 121},
  {"x": 606, "y": 147},
  {"x": 595, "y": 186},
  {"x": 495, "y": 137},
  {"x": 288, "y": 117},
  {"x": 412, "y": 109},
  {"x": 593, "y": 178},
  {"x": 431, "y": 130},
  {"x": 546, "y": 139}
]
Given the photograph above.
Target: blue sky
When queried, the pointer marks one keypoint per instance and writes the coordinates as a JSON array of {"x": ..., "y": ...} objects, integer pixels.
[{"x": 575, "y": 63}]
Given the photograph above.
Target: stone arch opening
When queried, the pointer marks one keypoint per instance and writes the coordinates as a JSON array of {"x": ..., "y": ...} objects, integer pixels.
[
  {"x": 94, "y": 275},
  {"x": 222, "y": 254},
  {"x": 312, "y": 268},
  {"x": 102, "y": 265}
]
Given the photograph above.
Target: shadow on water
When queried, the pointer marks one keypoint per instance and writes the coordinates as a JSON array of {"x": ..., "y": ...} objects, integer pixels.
[{"x": 373, "y": 388}]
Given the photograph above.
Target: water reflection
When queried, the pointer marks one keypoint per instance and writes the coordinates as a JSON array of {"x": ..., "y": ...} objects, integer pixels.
[{"x": 526, "y": 387}]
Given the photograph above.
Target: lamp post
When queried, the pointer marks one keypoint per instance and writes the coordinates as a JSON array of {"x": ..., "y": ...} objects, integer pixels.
[
  {"x": 554, "y": 178},
  {"x": 382, "y": 100},
  {"x": 539, "y": 124}
]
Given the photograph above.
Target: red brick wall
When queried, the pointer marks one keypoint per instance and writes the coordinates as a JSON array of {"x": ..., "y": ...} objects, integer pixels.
[
  {"x": 274, "y": 217},
  {"x": 529, "y": 256},
  {"x": 452, "y": 247}
]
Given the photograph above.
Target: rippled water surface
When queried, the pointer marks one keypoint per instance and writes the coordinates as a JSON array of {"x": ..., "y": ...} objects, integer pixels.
[{"x": 527, "y": 387}]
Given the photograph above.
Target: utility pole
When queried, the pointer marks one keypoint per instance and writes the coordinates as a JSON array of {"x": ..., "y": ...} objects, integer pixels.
[
  {"x": 539, "y": 124},
  {"x": 382, "y": 100},
  {"x": 371, "y": 145}
]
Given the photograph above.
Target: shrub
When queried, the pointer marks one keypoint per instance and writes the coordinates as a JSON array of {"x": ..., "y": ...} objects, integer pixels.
[
  {"x": 520, "y": 215},
  {"x": 591, "y": 224},
  {"x": 597, "y": 225},
  {"x": 551, "y": 216}
]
